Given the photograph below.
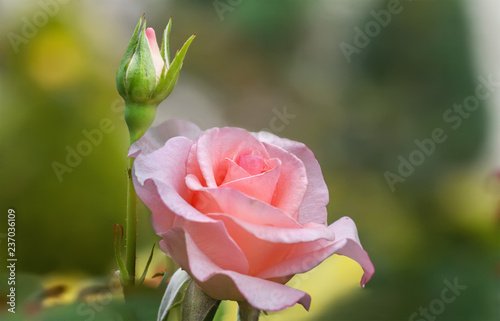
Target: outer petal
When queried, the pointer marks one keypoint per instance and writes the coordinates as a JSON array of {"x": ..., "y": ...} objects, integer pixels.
[
  {"x": 228, "y": 285},
  {"x": 313, "y": 207},
  {"x": 306, "y": 256},
  {"x": 345, "y": 228},
  {"x": 159, "y": 179},
  {"x": 160, "y": 174},
  {"x": 213, "y": 240},
  {"x": 156, "y": 136}
]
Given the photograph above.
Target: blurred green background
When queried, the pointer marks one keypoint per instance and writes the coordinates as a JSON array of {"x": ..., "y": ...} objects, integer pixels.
[{"x": 251, "y": 63}]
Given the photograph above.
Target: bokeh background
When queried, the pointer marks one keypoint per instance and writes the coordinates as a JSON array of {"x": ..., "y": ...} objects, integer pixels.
[{"x": 252, "y": 63}]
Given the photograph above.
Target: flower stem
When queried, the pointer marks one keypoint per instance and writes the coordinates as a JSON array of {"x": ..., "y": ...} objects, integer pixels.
[{"x": 131, "y": 230}]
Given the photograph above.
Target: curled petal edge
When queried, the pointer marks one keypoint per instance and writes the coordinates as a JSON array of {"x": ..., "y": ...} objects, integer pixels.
[{"x": 229, "y": 285}]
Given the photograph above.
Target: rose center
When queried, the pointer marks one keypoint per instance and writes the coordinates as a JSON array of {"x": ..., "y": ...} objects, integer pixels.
[{"x": 253, "y": 164}]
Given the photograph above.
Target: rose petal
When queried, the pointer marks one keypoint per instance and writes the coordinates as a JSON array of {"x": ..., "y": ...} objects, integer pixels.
[
  {"x": 265, "y": 246},
  {"x": 306, "y": 256},
  {"x": 155, "y": 51},
  {"x": 164, "y": 166},
  {"x": 345, "y": 228},
  {"x": 292, "y": 184},
  {"x": 217, "y": 144},
  {"x": 274, "y": 234},
  {"x": 261, "y": 186},
  {"x": 261, "y": 254},
  {"x": 159, "y": 180},
  {"x": 234, "y": 172},
  {"x": 229, "y": 285},
  {"x": 237, "y": 204},
  {"x": 213, "y": 240},
  {"x": 313, "y": 207},
  {"x": 155, "y": 137},
  {"x": 253, "y": 164},
  {"x": 193, "y": 167}
]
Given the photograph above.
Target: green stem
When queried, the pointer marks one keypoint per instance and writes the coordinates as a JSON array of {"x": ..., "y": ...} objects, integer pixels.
[{"x": 131, "y": 230}]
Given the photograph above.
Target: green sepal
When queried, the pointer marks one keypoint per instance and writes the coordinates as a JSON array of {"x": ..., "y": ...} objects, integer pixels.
[
  {"x": 129, "y": 52},
  {"x": 140, "y": 77},
  {"x": 165, "y": 47},
  {"x": 169, "y": 78},
  {"x": 196, "y": 305},
  {"x": 246, "y": 312},
  {"x": 117, "y": 242}
]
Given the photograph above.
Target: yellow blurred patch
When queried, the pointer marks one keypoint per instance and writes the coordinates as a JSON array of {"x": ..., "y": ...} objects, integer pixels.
[
  {"x": 60, "y": 290},
  {"x": 55, "y": 59},
  {"x": 67, "y": 289},
  {"x": 331, "y": 281},
  {"x": 472, "y": 198}
]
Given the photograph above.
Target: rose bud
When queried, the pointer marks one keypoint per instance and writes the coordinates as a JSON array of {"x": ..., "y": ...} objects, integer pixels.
[{"x": 146, "y": 76}]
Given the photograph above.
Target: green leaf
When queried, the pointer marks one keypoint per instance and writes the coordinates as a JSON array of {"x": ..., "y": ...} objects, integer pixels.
[
  {"x": 176, "y": 283},
  {"x": 117, "y": 241},
  {"x": 143, "y": 276}
]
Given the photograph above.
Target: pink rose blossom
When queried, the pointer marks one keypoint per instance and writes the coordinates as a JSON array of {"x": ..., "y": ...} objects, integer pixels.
[{"x": 240, "y": 212}]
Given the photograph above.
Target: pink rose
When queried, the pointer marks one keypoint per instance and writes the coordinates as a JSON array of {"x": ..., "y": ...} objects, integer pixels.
[{"x": 240, "y": 212}]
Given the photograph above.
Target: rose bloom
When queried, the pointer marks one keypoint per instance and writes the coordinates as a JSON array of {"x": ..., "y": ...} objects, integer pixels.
[{"x": 241, "y": 212}]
